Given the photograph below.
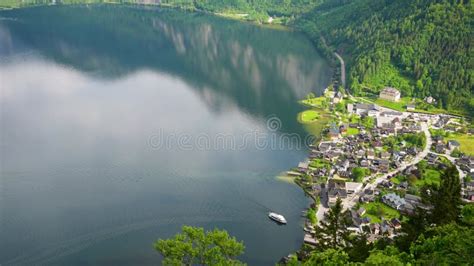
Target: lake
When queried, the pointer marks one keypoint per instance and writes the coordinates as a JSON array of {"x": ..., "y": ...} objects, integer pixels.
[{"x": 121, "y": 124}]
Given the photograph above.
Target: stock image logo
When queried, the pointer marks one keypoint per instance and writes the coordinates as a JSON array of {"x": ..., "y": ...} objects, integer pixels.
[{"x": 271, "y": 138}]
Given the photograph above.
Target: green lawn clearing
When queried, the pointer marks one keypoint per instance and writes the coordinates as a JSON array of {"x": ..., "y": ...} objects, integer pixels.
[
  {"x": 308, "y": 116},
  {"x": 352, "y": 131},
  {"x": 466, "y": 141},
  {"x": 399, "y": 106},
  {"x": 376, "y": 210},
  {"x": 318, "y": 102},
  {"x": 430, "y": 177}
]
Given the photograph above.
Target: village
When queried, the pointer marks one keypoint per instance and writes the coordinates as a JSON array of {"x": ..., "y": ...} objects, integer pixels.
[{"x": 375, "y": 160}]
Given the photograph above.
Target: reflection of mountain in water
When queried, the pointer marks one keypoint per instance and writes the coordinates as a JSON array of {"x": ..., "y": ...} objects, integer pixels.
[{"x": 262, "y": 71}]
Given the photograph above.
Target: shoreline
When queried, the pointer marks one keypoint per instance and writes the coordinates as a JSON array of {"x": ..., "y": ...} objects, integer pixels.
[
  {"x": 314, "y": 180},
  {"x": 281, "y": 177},
  {"x": 229, "y": 16}
]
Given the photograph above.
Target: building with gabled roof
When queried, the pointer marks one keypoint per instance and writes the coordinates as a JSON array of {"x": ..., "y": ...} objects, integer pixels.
[{"x": 390, "y": 94}]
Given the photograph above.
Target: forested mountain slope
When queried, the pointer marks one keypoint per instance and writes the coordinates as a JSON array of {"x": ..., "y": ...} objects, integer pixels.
[{"x": 423, "y": 47}]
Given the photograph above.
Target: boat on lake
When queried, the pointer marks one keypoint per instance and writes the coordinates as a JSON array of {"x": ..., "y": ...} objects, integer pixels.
[{"x": 277, "y": 217}]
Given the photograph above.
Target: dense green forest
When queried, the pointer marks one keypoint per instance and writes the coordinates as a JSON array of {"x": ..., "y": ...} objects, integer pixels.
[{"x": 422, "y": 47}]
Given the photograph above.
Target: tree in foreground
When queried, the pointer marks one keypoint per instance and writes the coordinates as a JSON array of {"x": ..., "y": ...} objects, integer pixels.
[
  {"x": 467, "y": 214},
  {"x": 447, "y": 199},
  {"x": 329, "y": 257},
  {"x": 388, "y": 256},
  {"x": 194, "y": 246},
  {"x": 333, "y": 233},
  {"x": 445, "y": 245}
]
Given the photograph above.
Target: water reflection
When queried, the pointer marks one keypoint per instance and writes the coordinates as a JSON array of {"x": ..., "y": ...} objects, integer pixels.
[
  {"x": 246, "y": 64},
  {"x": 82, "y": 91}
]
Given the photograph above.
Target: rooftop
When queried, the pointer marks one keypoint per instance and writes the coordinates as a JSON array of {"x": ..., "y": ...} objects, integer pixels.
[{"x": 390, "y": 91}]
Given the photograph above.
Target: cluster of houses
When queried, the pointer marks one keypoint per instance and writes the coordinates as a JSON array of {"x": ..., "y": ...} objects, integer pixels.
[
  {"x": 332, "y": 163},
  {"x": 466, "y": 164},
  {"x": 365, "y": 150},
  {"x": 440, "y": 146},
  {"x": 374, "y": 230},
  {"x": 407, "y": 205},
  {"x": 343, "y": 153},
  {"x": 338, "y": 188},
  {"x": 389, "y": 120}
]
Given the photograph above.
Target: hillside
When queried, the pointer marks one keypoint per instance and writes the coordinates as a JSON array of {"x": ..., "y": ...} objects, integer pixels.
[{"x": 423, "y": 47}]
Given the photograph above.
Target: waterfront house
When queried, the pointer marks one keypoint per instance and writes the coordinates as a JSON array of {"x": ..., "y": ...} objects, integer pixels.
[
  {"x": 324, "y": 147},
  {"x": 303, "y": 167},
  {"x": 316, "y": 189}
]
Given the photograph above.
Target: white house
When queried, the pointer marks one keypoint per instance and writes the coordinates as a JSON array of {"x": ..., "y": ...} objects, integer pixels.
[
  {"x": 390, "y": 94},
  {"x": 430, "y": 99},
  {"x": 353, "y": 187}
]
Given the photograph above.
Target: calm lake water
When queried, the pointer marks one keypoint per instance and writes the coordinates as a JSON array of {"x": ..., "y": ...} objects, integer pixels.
[{"x": 95, "y": 102}]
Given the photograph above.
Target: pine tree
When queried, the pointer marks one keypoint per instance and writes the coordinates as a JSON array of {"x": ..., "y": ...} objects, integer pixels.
[
  {"x": 447, "y": 198},
  {"x": 332, "y": 232}
]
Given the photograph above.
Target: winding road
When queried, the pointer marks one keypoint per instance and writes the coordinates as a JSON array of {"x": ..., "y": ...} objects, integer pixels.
[
  {"x": 343, "y": 70},
  {"x": 352, "y": 200}
]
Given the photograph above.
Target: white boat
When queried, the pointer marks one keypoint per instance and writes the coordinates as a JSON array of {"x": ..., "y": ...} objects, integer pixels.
[{"x": 277, "y": 217}]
